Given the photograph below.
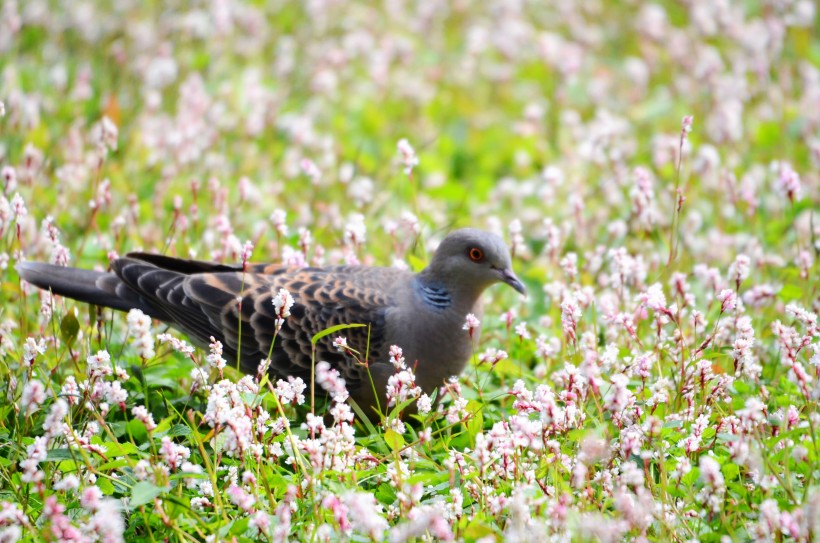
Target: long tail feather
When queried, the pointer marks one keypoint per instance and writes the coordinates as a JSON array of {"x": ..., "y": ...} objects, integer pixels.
[{"x": 93, "y": 287}]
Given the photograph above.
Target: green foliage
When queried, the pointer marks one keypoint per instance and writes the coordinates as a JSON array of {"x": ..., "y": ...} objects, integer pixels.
[{"x": 527, "y": 117}]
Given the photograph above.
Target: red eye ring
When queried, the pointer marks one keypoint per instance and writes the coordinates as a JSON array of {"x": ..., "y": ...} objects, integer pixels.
[{"x": 476, "y": 254}]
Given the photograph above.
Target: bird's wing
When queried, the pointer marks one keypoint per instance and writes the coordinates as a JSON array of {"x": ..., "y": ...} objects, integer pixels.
[{"x": 237, "y": 309}]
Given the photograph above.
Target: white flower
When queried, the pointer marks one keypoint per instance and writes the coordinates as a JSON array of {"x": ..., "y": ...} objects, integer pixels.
[
  {"x": 409, "y": 158},
  {"x": 282, "y": 302},
  {"x": 279, "y": 220},
  {"x": 340, "y": 343},
  {"x": 139, "y": 325},
  {"x": 471, "y": 324},
  {"x": 355, "y": 230},
  {"x": 34, "y": 394},
  {"x": 727, "y": 299}
]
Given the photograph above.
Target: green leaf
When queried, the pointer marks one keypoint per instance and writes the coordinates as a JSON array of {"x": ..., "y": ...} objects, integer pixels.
[
  {"x": 691, "y": 477},
  {"x": 363, "y": 419},
  {"x": 145, "y": 492},
  {"x": 239, "y": 526},
  {"x": 331, "y": 330},
  {"x": 477, "y": 530},
  {"x": 69, "y": 328},
  {"x": 113, "y": 450},
  {"x": 393, "y": 439},
  {"x": 58, "y": 455},
  {"x": 114, "y": 464},
  {"x": 232, "y": 373},
  {"x": 137, "y": 430},
  {"x": 722, "y": 436},
  {"x": 163, "y": 426},
  {"x": 105, "y": 485},
  {"x": 790, "y": 292},
  {"x": 475, "y": 424},
  {"x": 179, "y": 430},
  {"x": 416, "y": 263},
  {"x": 730, "y": 471},
  {"x": 189, "y": 475},
  {"x": 385, "y": 494},
  {"x": 769, "y": 134},
  {"x": 508, "y": 367}
]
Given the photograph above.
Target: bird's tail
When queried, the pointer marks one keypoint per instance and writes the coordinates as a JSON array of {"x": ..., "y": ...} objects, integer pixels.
[{"x": 93, "y": 287}]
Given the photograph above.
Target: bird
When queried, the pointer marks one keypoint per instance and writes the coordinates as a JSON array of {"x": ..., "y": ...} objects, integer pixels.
[{"x": 422, "y": 313}]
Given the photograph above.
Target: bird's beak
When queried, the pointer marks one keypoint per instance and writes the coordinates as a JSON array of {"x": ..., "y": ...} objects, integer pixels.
[{"x": 509, "y": 277}]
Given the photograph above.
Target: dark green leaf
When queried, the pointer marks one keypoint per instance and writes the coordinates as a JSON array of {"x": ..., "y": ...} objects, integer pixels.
[{"x": 69, "y": 328}]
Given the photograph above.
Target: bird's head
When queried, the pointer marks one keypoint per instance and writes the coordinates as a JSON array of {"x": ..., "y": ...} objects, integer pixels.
[{"x": 473, "y": 259}]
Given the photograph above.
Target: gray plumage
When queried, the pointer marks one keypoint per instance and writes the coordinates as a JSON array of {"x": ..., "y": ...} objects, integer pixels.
[{"x": 422, "y": 313}]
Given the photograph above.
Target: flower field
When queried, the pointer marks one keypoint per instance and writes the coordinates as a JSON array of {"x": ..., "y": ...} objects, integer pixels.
[{"x": 654, "y": 168}]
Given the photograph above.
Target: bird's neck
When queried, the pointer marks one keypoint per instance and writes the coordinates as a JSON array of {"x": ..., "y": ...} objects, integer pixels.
[{"x": 442, "y": 294}]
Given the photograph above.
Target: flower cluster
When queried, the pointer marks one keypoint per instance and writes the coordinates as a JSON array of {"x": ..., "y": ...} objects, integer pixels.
[{"x": 658, "y": 178}]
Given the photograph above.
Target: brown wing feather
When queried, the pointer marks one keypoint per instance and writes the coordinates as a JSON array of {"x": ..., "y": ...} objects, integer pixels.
[
  {"x": 214, "y": 300},
  {"x": 323, "y": 298}
]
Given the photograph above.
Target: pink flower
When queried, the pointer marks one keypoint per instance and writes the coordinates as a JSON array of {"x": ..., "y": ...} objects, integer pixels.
[
  {"x": 492, "y": 356},
  {"x": 53, "y": 424},
  {"x": 330, "y": 380},
  {"x": 686, "y": 126},
  {"x": 727, "y": 299},
  {"x": 788, "y": 183},
  {"x": 18, "y": 206},
  {"x": 397, "y": 357},
  {"x": 214, "y": 358},
  {"x": 654, "y": 298},
  {"x": 570, "y": 315},
  {"x": 522, "y": 332},
  {"x": 34, "y": 394},
  {"x": 139, "y": 325},
  {"x": 31, "y": 349},
  {"x": 261, "y": 521},
  {"x": 241, "y": 499},
  {"x": 91, "y": 497},
  {"x": 401, "y": 387},
  {"x": 310, "y": 169},
  {"x": 409, "y": 158},
  {"x": 140, "y": 413},
  {"x": 421, "y": 520},
  {"x": 61, "y": 527},
  {"x": 471, "y": 324},
  {"x": 739, "y": 269},
  {"x": 714, "y": 483},
  {"x": 424, "y": 404},
  {"x": 365, "y": 514},
  {"x": 570, "y": 265},
  {"x": 508, "y": 318},
  {"x": 173, "y": 455},
  {"x": 339, "y": 510},
  {"x": 804, "y": 260},
  {"x": 340, "y": 344},
  {"x": 282, "y": 302},
  {"x": 291, "y": 391},
  {"x": 355, "y": 230},
  {"x": 106, "y": 134},
  {"x": 177, "y": 344},
  {"x": 643, "y": 198},
  {"x": 279, "y": 220},
  {"x": 247, "y": 251}
]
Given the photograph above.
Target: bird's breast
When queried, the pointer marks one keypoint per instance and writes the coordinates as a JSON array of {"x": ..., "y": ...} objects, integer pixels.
[{"x": 433, "y": 341}]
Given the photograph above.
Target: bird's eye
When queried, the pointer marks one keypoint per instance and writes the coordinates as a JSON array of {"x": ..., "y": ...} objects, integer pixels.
[{"x": 476, "y": 254}]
